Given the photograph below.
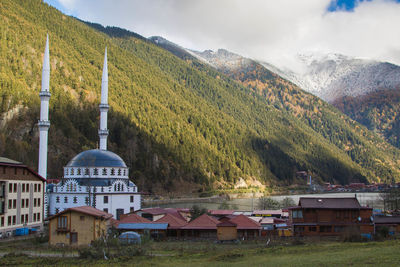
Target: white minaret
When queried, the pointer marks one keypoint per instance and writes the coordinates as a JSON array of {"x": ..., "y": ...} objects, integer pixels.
[
  {"x": 44, "y": 123},
  {"x": 103, "y": 131}
]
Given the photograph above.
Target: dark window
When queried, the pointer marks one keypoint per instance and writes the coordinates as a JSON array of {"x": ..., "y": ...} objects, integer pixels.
[
  {"x": 27, "y": 202},
  {"x": 119, "y": 212},
  {"x": 23, "y": 203},
  {"x": 10, "y": 187},
  {"x": 96, "y": 171},
  {"x": 105, "y": 210},
  {"x": 35, "y": 188},
  {"x": 87, "y": 200},
  {"x": 38, "y": 202},
  {"x": 14, "y": 219},
  {"x": 23, "y": 187},
  {"x": 57, "y": 199},
  {"x": 9, "y": 220},
  {"x": 26, "y": 217},
  {"x": 339, "y": 228},
  {"x": 78, "y": 171},
  {"x": 62, "y": 222},
  {"x": 57, "y": 210},
  {"x": 86, "y": 171},
  {"x": 15, "y": 170},
  {"x": 312, "y": 228},
  {"x": 65, "y": 199},
  {"x": 27, "y": 187},
  {"x": 112, "y": 171},
  {"x": 14, "y": 203},
  {"x": 325, "y": 228},
  {"x": 75, "y": 199},
  {"x": 38, "y": 216},
  {"x": 10, "y": 203},
  {"x": 34, "y": 217},
  {"x": 299, "y": 229},
  {"x": 104, "y": 171},
  {"x": 131, "y": 199},
  {"x": 105, "y": 199},
  {"x": 22, "y": 218},
  {"x": 2, "y": 221},
  {"x": 15, "y": 188},
  {"x": 39, "y": 187},
  {"x": 131, "y": 209},
  {"x": 119, "y": 172},
  {"x": 34, "y": 202}
]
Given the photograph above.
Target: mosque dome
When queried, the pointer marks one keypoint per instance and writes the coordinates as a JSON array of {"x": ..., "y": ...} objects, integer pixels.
[{"x": 96, "y": 158}]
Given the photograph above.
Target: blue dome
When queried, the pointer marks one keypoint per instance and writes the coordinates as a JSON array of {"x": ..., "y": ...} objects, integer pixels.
[{"x": 96, "y": 158}]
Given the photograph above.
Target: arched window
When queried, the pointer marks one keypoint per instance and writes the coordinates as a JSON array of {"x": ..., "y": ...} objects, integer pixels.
[
  {"x": 104, "y": 171},
  {"x": 87, "y": 171},
  {"x": 72, "y": 171},
  {"x": 119, "y": 172},
  {"x": 78, "y": 171},
  {"x": 112, "y": 171},
  {"x": 115, "y": 187},
  {"x": 119, "y": 187},
  {"x": 74, "y": 187},
  {"x": 122, "y": 187},
  {"x": 96, "y": 171}
]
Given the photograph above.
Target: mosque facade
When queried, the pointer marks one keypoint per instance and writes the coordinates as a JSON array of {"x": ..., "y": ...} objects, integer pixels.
[{"x": 97, "y": 177}]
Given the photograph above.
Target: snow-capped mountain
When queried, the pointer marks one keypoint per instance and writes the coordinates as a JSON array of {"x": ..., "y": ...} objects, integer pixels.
[{"x": 332, "y": 76}]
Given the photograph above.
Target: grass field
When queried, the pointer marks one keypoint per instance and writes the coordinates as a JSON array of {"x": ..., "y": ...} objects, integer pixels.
[{"x": 208, "y": 254}]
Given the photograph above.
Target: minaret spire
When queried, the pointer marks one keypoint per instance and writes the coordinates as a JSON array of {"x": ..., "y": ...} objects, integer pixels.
[
  {"x": 103, "y": 131},
  {"x": 44, "y": 123}
]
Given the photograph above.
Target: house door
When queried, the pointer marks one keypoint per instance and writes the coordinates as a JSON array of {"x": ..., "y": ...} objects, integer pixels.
[
  {"x": 119, "y": 213},
  {"x": 74, "y": 238}
]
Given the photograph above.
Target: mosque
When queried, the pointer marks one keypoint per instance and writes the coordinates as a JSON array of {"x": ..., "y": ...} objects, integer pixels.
[{"x": 97, "y": 177}]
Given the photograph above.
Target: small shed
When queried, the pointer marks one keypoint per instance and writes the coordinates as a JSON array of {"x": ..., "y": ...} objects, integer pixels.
[{"x": 226, "y": 231}]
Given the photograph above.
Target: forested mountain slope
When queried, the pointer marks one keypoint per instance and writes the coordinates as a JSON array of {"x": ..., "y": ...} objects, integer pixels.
[{"x": 179, "y": 124}]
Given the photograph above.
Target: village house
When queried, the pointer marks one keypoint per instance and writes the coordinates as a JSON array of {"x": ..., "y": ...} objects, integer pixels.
[
  {"x": 330, "y": 216},
  {"x": 78, "y": 226},
  {"x": 134, "y": 222},
  {"x": 21, "y": 197}
]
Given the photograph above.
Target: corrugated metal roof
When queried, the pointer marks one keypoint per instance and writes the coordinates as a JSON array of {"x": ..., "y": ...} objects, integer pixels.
[
  {"x": 329, "y": 203},
  {"x": 142, "y": 226}
]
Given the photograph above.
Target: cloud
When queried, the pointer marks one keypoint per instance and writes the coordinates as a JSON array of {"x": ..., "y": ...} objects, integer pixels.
[{"x": 263, "y": 29}]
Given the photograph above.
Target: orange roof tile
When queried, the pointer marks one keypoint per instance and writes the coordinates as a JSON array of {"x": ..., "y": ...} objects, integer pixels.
[
  {"x": 244, "y": 222},
  {"x": 173, "y": 222}
]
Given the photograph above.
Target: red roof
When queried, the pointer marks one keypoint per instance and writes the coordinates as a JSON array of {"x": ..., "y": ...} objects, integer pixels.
[
  {"x": 86, "y": 210},
  {"x": 134, "y": 218},
  {"x": 226, "y": 224},
  {"x": 329, "y": 203},
  {"x": 173, "y": 222},
  {"x": 161, "y": 211},
  {"x": 244, "y": 222},
  {"x": 221, "y": 212},
  {"x": 203, "y": 222}
]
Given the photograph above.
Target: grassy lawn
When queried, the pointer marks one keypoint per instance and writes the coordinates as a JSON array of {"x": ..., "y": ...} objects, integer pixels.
[{"x": 246, "y": 254}]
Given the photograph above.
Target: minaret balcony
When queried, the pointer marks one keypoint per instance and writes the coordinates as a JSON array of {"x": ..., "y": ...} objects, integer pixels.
[
  {"x": 104, "y": 107},
  {"x": 103, "y": 132},
  {"x": 44, "y": 95},
  {"x": 43, "y": 124}
]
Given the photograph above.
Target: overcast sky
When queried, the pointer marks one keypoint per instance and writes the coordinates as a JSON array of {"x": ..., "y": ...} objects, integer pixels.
[{"x": 270, "y": 30}]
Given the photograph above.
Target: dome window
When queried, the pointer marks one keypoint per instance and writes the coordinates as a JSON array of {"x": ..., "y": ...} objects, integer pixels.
[
  {"x": 112, "y": 171},
  {"x": 87, "y": 171},
  {"x": 104, "y": 171},
  {"x": 119, "y": 172},
  {"x": 72, "y": 171},
  {"x": 96, "y": 171},
  {"x": 124, "y": 172},
  {"x": 78, "y": 171}
]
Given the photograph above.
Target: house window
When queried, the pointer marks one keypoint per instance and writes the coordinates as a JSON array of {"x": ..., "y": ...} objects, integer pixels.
[
  {"x": 112, "y": 171},
  {"x": 10, "y": 188},
  {"x": 9, "y": 220},
  {"x": 78, "y": 171},
  {"x": 22, "y": 218},
  {"x": 65, "y": 199},
  {"x": 38, "y": 202},
  {"x": 297, "y": 214},
  {"x": 131, "y": 198},
  {"x": 23, "y": 187},
  {"x": 96, "y": 171},
  {"x": 27, "y": 202},
  {"x": 10, "y": 204},
  {"x": 72, "y": 171},
  {"x": 27, "y": 187},
  {"x": 87, "y": 171},
  {"x": 15, "y": 187},
  {"x": 119, "y": 172},
  {"x": 299, "y": 229},
  {"x": 35, "y": 188},
  {"x": 34, "y": 202},
  {"x": 105, "y": 199},
  {"x": 34, "y": 217},
  {"x": 23, "y": 203},
  {"x": 14, "y": 203},
  {"x": 14, "y": 219},
  {"x": 62, "y": 222},
  {"x": 26, "y": 217},
  {"x": 131, "y": 209},
  {"x": 39, "y": 187},
  {"x": 105, "y": 210},
  {"x": 2, "y": 221},
  {"x": 104, "y": 171},
  {"x": 57, "y": 199},
  {"x": 75, "y": 200}
]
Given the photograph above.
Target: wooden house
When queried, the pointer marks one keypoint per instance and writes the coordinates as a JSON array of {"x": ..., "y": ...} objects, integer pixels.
[
  {"x": 330, "y": 216},
  {"x": 204, "y": 226},
  {"x": 227, "y": 231},
  {"x": 78, "y": 226}
]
